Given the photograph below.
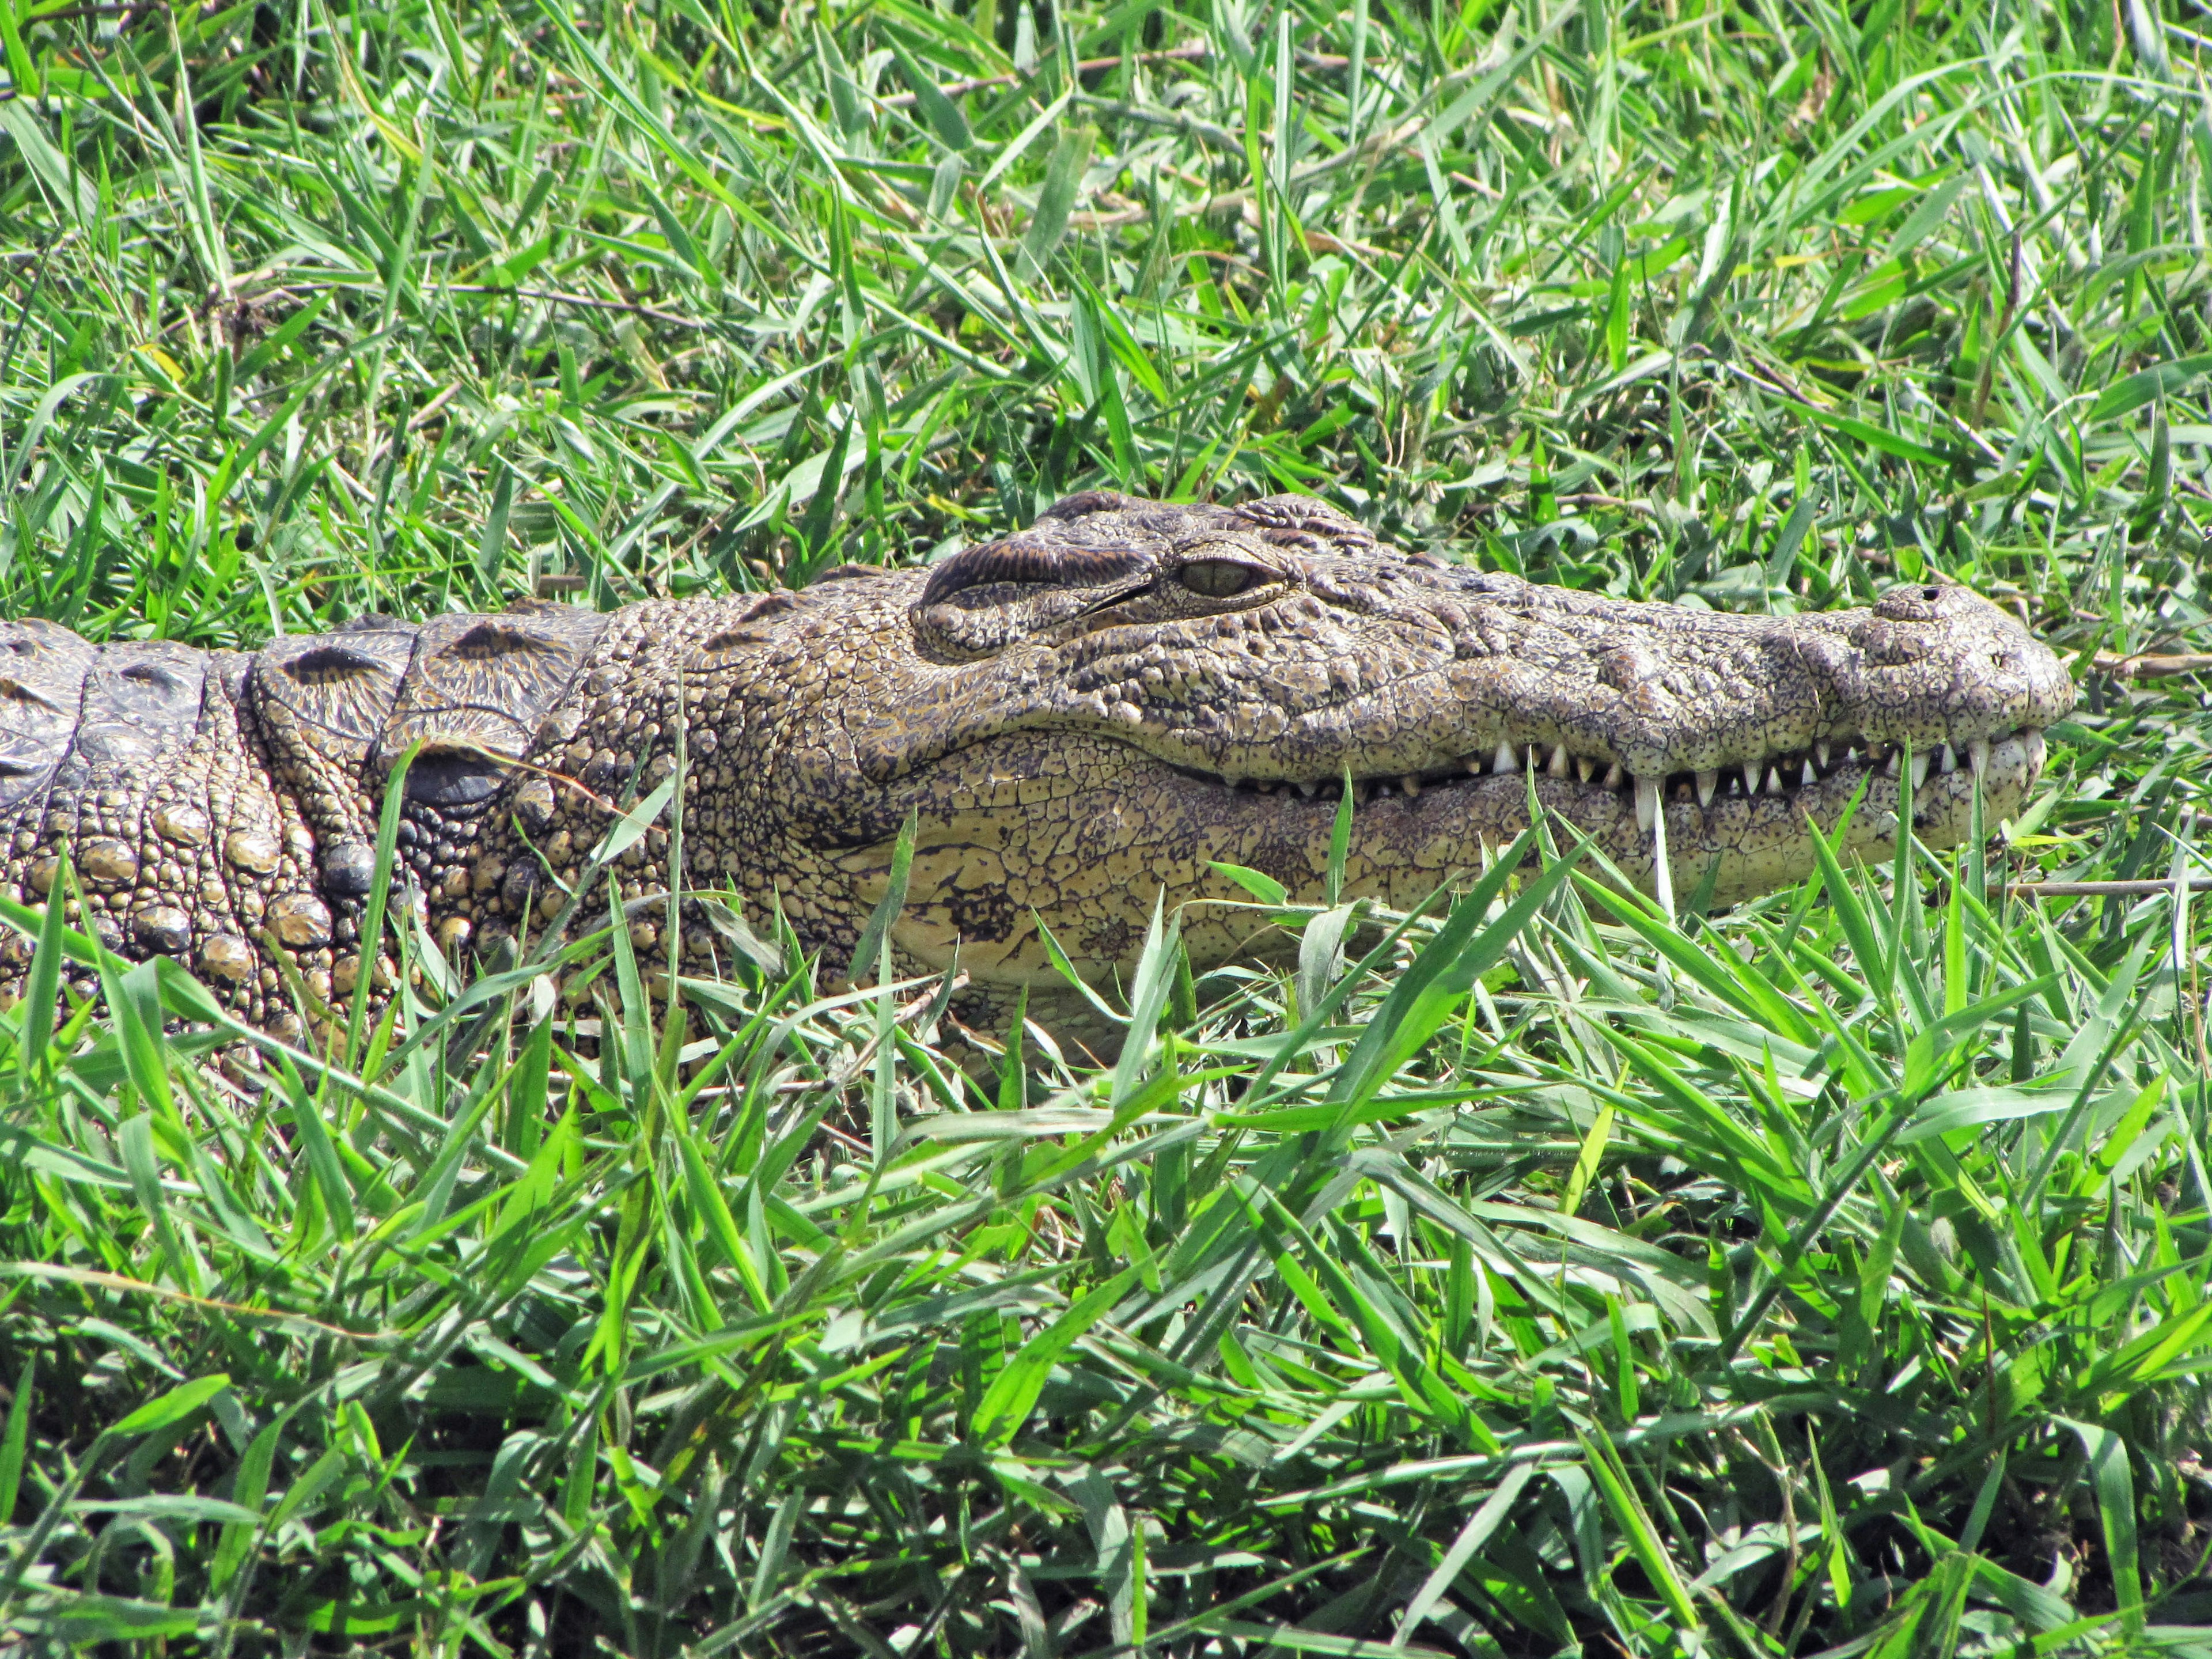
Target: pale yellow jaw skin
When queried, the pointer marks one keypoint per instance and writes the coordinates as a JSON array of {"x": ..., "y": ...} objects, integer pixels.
[{"x": 1083, "y": 835}]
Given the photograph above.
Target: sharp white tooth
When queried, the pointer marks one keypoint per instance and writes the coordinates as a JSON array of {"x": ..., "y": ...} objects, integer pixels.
[
  {"x": 1560, "y": 761},
  {"x": 1504, "y": 760},
  {"x": 1774, "y": 780},
  {"x": 1410, "y": 785},
  {"x": 1584, "y": 767},
  {"x": 1614, "y": 777},
  {"x": 1977, "y": 754},
  {"x": 1708, "y": 780},
  {"x": 1919, "y": 770},
  {"x": 1894, "y": 769},
  {"x": 1307, "y": 788},
  {"x": 1473, "y": 765},
  {"x": 1808, "y": 777},
  {"x": 1949, "y": 759},
  {"x": 1751, "y": 777},
  {"x": 1647, "y": 804},
  {"x": 1820, "y": 753}
]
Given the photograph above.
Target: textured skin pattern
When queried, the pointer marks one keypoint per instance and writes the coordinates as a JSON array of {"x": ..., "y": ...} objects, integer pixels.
[{"x": 1081, "y": 716}]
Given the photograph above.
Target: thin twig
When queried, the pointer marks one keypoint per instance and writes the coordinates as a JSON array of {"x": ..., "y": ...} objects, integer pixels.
[
  {"x": 559, "y": 298},
  {"x": 2146, "y": 667},
  {"x": 76, "y": 14},
  {"x": 1083, "y": 66},
  {"x": 1196, "y": 51},
  {"x": 1619, "y": 503},
  {"x": 285, "y": 284}
]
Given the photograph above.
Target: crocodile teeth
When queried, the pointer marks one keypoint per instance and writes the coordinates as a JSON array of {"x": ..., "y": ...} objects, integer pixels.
[
  {"x": 1233, "y": 780},
  {"x": 1307, "y": 789},
  {"x": 1647, "y": 804},
  {"x": 1808, "y": 777},
  {"x": 1820, "y": 753},
  {"x": 1894, "y": 767},
  {"x": 1751, "y": 777},
  {"x": 1614, "y": 777},
  {"x": 1560, "y": 761},
  {"x": 1977, "y": 754},
  {"x": 1504, "y": 760},
  {"x": 1585, "y": 768},
  {"x": 1708, "y": 780},
  {"x": 1774, "y": 780},
  {"x": 1949, "y": 759},
  {"x": 1473, "y": 765},
  {"x": 1919, "y": 770},
  {"x": 1410, "y": 785}
]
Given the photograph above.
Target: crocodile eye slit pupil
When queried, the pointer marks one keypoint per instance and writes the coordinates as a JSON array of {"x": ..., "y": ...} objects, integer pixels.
[{"x": 1218, "y": 579}]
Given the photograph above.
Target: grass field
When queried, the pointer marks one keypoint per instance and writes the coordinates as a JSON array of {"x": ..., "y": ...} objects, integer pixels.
[{"x": 1834, "y": 1276}]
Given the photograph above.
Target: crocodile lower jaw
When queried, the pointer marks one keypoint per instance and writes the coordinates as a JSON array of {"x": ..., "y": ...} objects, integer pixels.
[
  {"x": 1780, "y": 775},
  {"x": 1756, "y": 833}
]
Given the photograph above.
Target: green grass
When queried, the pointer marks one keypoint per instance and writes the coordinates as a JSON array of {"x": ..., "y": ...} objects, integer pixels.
[{"x": 1829, "y": 1276}]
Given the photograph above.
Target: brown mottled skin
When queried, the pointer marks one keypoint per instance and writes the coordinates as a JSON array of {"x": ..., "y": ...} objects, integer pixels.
[{"x": 1082, "y": 716}]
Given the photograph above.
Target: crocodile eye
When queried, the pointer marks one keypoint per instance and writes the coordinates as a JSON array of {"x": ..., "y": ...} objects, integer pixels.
[{"x": 1217, "y": 579}]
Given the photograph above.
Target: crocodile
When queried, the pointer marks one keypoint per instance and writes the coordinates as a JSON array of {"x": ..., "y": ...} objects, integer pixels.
[{"x": 1080, "y": 720}]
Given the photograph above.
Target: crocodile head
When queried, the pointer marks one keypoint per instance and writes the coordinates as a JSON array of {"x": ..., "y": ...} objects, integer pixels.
[{"x": 1100, "y": 708}]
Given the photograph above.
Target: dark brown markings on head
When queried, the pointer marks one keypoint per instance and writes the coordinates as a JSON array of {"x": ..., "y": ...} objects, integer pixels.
[
  {"x": 340, "y": 685},
  {"x": 490, "y": 638},
  {"x": 1307, "y": 525},
  {"x": 332, "y": 664},
  {"x": 164, "y": 679},
  {"x": 1027, "y": 559},
  {"x": 750, "y": 627},
  {"x": 1100, "y": 537},
  {"x": 1085, "y": 503},
  {"x": 488, "y": 681},
  {"x": 17, "y": 692}
]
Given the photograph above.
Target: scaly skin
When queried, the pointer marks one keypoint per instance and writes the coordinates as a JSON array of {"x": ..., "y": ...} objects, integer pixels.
[{"x": 1081, "y": 717}]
